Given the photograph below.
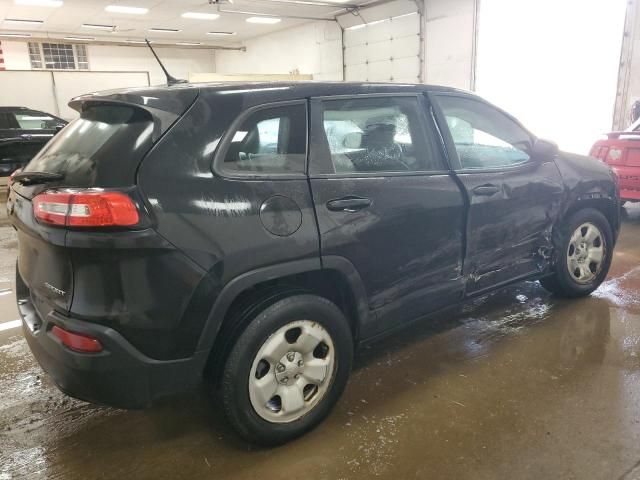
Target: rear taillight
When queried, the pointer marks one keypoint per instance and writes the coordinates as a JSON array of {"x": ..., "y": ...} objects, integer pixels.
[
  {"x": 614, "y": 155},
  {"x": 85, "y": 208},
  {"x": 77, "y": 342}
]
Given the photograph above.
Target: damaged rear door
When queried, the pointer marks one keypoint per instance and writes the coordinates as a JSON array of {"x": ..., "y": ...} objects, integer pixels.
[{"x": 513, "y": 198}]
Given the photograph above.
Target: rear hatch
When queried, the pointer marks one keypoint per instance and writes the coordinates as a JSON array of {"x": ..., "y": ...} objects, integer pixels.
[{"x": 98, "y": 152}]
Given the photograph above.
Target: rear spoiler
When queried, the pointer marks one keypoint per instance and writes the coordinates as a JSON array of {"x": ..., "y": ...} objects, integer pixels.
[
  {"x": 164, "y": 107},
  {"x": 615, "y": 135}
]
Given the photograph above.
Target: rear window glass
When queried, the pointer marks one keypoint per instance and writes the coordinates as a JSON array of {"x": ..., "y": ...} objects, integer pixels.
[{"x": 101, "y": 148}]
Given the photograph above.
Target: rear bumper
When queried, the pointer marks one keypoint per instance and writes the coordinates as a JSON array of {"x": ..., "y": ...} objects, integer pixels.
[
  {"x": 119, "y": 376},
  {"x": 630, "y": 194},
  {"x": 628, "y": 182}
]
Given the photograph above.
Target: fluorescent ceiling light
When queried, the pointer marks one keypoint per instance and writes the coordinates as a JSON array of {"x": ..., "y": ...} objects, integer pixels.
[
  {"x": 39, "y": 3},
  {"x": 263, "y": 20},
  {"x": 124, "y": 9},
  {"x": 138, "y": 41},
  {"x": 16, "y": 35},
  {"x": 98, "y": 27},
  {"x": 23, "y": 22},
  {"x": 188, "y": 44},
  {"x": 200, "y": 16},
  {"x": 164, "y": 30},
  {"x": 229, "y": 33},
  {"x": 81, "y": 39}
]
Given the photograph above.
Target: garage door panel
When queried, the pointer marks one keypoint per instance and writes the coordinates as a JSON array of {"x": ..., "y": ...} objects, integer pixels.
[
  {"x": 387, "y": 50},
  {"x": 356, "y": 72},
  {"x": 378, "y": 32},
  {"x": 405, "y": 69},
  {"x": 405, "y": 47},
  {"x": 405, "y": 25},
  {"x": 379, "y": 51},
  {"x": 355, "y": 37},
  {"x": 379, "y": 71},
  {"x": 355, "y": 55}
]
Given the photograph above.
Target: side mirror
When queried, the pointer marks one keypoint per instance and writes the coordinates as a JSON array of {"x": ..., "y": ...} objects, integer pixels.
[{"x": 544, "y": 149}]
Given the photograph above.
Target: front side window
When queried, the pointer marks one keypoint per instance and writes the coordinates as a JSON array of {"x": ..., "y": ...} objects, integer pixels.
[
  {"x": 483, "y": 136},
  {"x": 382, "y": 134},
  {"x": 271, "y": 141}
]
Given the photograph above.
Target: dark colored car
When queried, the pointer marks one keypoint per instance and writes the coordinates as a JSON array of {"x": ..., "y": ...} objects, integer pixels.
[
  {"x": 23, "y": 133},
  {"x": 255, "y": 234},
  {"x": 621, "y": 151}
]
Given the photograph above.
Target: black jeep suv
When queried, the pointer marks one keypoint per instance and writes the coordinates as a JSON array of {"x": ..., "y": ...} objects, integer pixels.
[
  {"x": 254, "y": 234},
  {"x": 23, "y": 132}
]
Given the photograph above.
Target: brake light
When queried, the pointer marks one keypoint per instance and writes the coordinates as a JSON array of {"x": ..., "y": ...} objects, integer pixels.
[
  {"x": 77, "y": 342},
  {"x": 85, "y": 208},
  {"x": 614, "y": 155}
]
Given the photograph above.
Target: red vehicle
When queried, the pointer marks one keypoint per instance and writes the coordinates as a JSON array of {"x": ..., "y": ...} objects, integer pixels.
[{"x": 621, "y": 150}]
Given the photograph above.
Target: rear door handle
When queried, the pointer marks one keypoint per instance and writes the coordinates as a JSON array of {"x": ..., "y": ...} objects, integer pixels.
[
  {"x": 486, "y": 190},
  {"x": 348, "y": 204}
]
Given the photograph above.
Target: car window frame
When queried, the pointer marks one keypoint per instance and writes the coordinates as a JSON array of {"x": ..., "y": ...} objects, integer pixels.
[
  {"x": 320, "y": 163},
  {"x": 225, "y": 143},
  {"x": 449, "y": 144}
]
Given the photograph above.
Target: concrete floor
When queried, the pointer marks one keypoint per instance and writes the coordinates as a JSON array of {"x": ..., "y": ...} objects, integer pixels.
[{"x": 517, "y": 385}]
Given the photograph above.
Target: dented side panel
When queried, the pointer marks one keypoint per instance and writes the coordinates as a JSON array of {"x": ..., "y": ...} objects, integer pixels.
[{"x": 509, "y": 232}]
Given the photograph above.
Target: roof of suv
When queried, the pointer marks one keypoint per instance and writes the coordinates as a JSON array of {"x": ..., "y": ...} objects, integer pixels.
[{"x": 178, "y": 97}]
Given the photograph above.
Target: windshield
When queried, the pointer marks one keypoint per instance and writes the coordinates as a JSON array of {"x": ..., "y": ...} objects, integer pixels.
[{"x": 92, "y": 150}]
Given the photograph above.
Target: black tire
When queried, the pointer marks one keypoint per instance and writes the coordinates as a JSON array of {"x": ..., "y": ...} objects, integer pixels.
[
  {"x": 561, "y": 282},
  {"x": 234, "y": 383}
]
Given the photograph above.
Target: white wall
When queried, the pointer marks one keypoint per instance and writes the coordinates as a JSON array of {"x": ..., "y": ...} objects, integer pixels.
[
  {"x": 179, "y": 61},
  {"x": 313, "y": 48},
  {"x": 449, "y": 36}
]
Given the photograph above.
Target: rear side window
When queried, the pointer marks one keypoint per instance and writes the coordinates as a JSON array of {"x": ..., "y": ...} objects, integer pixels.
[
  {"x": 272, "y": 140},
  {"x": 31, "y": 120},
  {"x": 101, "y": 148},
  {"x": 382, "y": 134}
]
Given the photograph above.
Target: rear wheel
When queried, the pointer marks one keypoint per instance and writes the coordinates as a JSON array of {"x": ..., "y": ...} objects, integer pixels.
[
  {"x": 584, "y": 246},
  {"x": 287, "y": 369}
]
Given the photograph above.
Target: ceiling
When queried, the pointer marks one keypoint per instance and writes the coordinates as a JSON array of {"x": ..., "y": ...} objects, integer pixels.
[{"x": 67, "y": 19}]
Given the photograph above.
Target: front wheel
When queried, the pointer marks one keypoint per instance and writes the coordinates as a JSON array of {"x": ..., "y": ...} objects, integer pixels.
[
  {"x": 584, "y": 246},
  {"x": 287, "y": 369}
]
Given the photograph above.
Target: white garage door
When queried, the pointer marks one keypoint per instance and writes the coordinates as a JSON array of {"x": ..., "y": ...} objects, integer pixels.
[{"x": 384, "y": 51}]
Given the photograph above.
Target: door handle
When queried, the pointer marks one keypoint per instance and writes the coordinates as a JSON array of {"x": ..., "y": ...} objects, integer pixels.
[
  {"x": 348, "y": 204},
  {"x": 486, "y": 190}
]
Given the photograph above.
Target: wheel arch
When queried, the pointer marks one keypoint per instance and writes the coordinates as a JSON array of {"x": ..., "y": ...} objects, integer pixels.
[
  {"x": 334, "y": 278},
  {"x": 602, "y": 202}
]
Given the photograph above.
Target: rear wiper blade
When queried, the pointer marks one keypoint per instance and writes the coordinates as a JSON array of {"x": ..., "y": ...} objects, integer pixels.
[{"x": 31, "y": 178}]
